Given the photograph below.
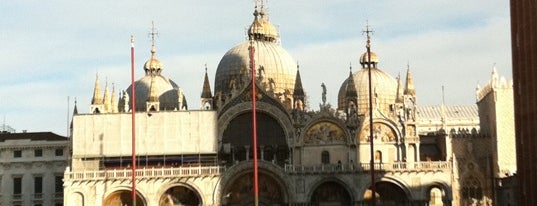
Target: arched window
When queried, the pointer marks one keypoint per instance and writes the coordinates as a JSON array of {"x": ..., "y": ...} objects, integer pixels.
[
  {"x": 378, "y": 156},
  {"x": 435, "y": 197},
  {"x": 325, "y": 157}
]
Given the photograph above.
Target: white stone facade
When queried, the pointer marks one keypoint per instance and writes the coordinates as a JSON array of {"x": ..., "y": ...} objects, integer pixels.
[{"x": 31, "y": 168}]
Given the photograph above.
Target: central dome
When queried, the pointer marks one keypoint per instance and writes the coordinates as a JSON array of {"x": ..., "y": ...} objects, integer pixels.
[{"x": 275, "y": 68}]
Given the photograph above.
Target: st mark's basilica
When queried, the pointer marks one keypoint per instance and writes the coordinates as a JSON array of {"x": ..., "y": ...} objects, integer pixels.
[{"x": 424, "y": 155}]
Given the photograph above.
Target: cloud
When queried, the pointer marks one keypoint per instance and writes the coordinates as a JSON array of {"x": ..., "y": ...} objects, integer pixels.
[{"x": 54, "y": 50}]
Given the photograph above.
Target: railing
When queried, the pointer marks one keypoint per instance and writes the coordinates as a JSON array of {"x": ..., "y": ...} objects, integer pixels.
[
  {"x": 38, "y": 196},
  {"x": 363, "y": 167},
  {"x": 126, "y": 173}
]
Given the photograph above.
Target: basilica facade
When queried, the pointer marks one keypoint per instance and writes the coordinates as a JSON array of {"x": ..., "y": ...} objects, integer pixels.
[{"x": 423, "y": 155}]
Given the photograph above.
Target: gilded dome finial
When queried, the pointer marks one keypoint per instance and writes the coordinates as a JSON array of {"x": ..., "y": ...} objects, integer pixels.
[{"x": 153, "y": 65}]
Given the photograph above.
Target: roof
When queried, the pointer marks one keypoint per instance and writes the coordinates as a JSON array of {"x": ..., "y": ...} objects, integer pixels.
[
  {"x": 33, "y": 136},
  {"x": 451, "y": 112}
]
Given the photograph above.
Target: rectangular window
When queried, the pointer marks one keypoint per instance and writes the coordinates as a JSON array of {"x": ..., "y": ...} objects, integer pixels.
[
  {"x": 17, "y": 185},
  {"x": 58, "y": 184},
  {"x": 38, "y": 152},
  {"x": 38, "y": 185},
  {"x": 17, "y": 153},
  {"x": 59, "y": 152}
]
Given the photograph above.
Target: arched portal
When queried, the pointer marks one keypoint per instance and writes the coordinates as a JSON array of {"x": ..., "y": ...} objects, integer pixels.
[
  {"x": 241, "y": 190},
  {"x": 124, "y": 198},
  {"x": 330, "y": 194},
  {"x": 270, "y": 137},
  {"x": 387, "y": 194},
  {"x": 180, "y": 195}
]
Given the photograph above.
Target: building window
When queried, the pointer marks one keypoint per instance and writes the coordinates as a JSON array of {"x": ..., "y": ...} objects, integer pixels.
[
  {"x": 471, "y": 189},
  {"x": 38, "y": 152},
  {"x": 58, "y": 184},
  {"x": 38, "y": 185},
  {"x": 59, "y": 152},
  {"x": 325, "y": 157},
  {"x": 17, "y": 153},
  {"x": 17, "y": 185}
]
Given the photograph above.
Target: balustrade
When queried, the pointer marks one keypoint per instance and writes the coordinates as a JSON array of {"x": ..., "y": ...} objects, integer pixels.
[{"x": 126, "y": 173}]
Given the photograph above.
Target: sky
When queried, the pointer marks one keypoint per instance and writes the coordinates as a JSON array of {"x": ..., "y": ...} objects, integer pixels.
[{"x": 51, "y": 51}]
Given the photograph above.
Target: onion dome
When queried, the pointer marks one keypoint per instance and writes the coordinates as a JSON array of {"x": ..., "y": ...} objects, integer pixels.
[
  {"x": 153, "y": 65},
  {"x": 374, "y": 59},
  {"x": 261, "y": 28},
  {"x": 384, "y": 88},
  {"x": 276, "y": 69}
]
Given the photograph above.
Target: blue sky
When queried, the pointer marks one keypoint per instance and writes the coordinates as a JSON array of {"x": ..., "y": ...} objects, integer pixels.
[{"x": 51, "y": 50}]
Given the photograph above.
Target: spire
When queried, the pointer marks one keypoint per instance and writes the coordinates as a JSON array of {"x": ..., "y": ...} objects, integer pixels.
[
  {"x": 409, "y": 87},
  {"x": 495, "y": 76},
  {"x": 153, "y": 65},
  {"x": 75, "y": 110},
  {"x": 206, "y": 92},
  {"x": 399, "y": 97},
  {"x": 368, "y": 58},
  {"x": 298, "y": 90},
  {"x": 351, "y": 87},
  {"x": 113, "y": 100},
  {"x": 97, "y": 92},
  {"x": 107, "y": 100}
]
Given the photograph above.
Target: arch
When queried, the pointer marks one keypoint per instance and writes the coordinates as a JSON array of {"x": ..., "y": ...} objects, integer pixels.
[
  {"x": 378, "y": 156},
  {"x": 335, "y": 126},
  {"x": 77, "y": 198},
  {"x": 123, "y": 197},
  {"x": 330, "y": 191},
  {"x": 237, "y": 185},
  {"x": 384, "y": 130},
  {"x": 283, "y": 119},
  {"x": 389, "y": 191},
  {"x": 323, "y": 132},
  {"x": 445, "y": 192},
  {"x": 181, "y": 194}
]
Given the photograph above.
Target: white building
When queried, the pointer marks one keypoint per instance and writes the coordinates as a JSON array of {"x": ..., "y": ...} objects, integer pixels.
[{"x": 31, "y": 168}]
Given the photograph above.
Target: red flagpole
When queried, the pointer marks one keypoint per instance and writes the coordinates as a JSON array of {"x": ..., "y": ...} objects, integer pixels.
[
  {"x": 254, "y": 124},
  {"x": 133, "y": 121}
]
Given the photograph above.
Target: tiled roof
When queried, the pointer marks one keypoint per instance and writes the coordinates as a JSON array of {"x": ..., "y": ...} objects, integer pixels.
[
  {"x": 451, "y": 112},
  {"x": 33, "y": 136}
]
